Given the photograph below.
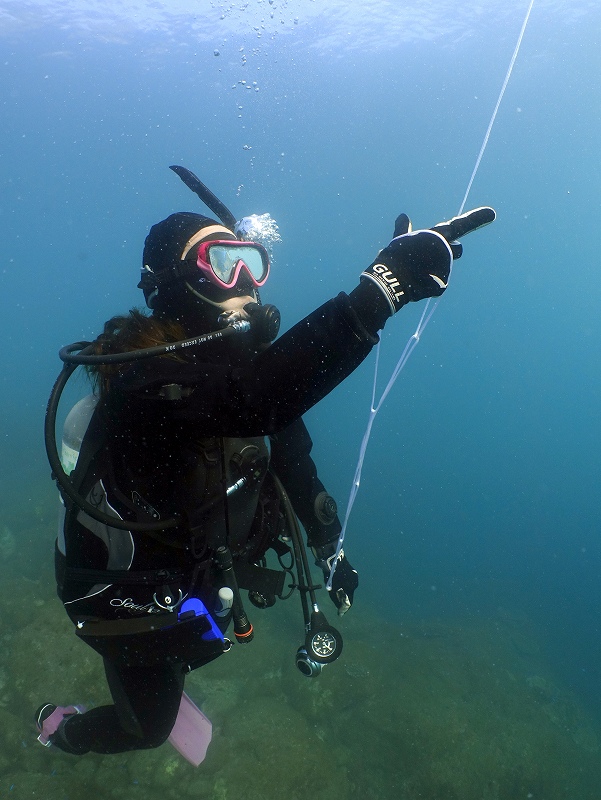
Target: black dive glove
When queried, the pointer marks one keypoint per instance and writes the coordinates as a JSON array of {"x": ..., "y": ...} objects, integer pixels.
[
  {"x": 345, "y": 579},
  {"x": 417, "y": 264}
]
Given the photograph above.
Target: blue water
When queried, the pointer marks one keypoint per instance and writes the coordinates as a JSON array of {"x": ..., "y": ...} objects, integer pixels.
[{"x": 481, "y": 483}]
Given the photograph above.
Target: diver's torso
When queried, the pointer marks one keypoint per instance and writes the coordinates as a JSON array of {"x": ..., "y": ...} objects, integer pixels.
[{"x": 156, "y": 468}]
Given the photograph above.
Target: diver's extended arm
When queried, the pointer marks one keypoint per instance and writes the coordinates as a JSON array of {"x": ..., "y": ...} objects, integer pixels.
[{"x": 316, "y": 354}]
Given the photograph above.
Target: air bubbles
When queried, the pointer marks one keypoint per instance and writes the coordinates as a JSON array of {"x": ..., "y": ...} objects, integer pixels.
[
  {"x": 215, "y": 52},
  {"x": 246, "y": 85},
  {"x": 260, "y": 228}
]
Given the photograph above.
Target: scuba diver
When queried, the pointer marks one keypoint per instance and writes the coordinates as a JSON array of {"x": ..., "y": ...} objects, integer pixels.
[{"x": 192, "y": 462}]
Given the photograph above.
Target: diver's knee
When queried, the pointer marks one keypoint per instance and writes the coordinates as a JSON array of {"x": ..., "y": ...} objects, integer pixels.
[{"x": 153, "y": 740}]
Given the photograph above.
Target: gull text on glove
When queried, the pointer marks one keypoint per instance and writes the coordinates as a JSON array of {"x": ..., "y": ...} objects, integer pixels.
[{"x": 387, "y": 276}]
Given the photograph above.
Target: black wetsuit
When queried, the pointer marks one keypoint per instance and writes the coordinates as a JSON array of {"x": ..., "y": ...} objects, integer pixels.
[{"x": 157, "y": 447}]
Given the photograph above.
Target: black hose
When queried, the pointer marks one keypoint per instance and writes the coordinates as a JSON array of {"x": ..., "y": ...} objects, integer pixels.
[
  {"x": 318, "y": 630},
  {"x": 67, "y": 355},
  {"x": 300, "y": 554}
]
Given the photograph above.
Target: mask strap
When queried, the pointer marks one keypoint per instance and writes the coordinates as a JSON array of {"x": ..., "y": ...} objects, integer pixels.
[{"x": 203, "y": 233}]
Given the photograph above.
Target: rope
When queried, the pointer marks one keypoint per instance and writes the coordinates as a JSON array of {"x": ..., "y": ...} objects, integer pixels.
[{"x": 424, "y": 320}]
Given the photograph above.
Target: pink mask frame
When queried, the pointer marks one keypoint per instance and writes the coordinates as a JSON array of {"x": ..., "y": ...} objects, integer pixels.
[{"x": 222, "y": 261}]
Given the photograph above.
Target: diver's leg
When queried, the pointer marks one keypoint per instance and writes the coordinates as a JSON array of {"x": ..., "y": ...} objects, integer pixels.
[{"x": 146, "y": 705}]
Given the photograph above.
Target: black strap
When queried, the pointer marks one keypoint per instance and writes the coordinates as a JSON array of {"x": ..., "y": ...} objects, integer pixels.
[
  {"x": 123, "y": 577},
  {"x": 124, "y": 627},
  {"x": 259, "y": 579}
]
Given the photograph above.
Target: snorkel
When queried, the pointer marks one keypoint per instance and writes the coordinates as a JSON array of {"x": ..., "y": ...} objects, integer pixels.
[
  {"x": 212, "y": 202},
  {"x": 260, "y": 228}
]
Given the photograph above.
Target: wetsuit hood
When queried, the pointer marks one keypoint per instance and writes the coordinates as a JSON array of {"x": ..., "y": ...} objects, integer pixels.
[{"x": 170, "y": 250}]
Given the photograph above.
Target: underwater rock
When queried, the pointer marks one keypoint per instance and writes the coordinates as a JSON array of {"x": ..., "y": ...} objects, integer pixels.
[{"x": 564, "y": 711}]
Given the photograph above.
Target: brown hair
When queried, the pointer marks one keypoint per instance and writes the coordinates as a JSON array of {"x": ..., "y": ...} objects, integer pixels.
[{"x": 134, "y": 331}]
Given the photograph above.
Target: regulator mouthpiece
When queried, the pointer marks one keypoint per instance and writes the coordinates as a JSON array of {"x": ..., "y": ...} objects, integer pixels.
[{"x": 264, "y": 320}]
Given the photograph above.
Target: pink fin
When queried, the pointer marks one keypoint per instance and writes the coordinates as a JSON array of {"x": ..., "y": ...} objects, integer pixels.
[
  {"x": 192, "y": 732},
  {"x": 52, "y": 722}
]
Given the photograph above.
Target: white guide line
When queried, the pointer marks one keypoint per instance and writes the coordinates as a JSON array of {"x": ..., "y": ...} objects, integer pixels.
[{"x": 425, "y": 318}]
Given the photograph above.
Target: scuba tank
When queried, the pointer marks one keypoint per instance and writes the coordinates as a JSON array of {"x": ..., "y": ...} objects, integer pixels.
[{"x": 74, "y": 429}]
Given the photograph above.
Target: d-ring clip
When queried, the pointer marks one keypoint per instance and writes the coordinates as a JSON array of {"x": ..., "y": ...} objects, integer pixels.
[{"x": 167, "y": 602}]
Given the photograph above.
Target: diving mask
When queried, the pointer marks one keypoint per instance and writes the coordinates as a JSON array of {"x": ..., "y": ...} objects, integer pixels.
[{"x": 222, "y": 261}]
